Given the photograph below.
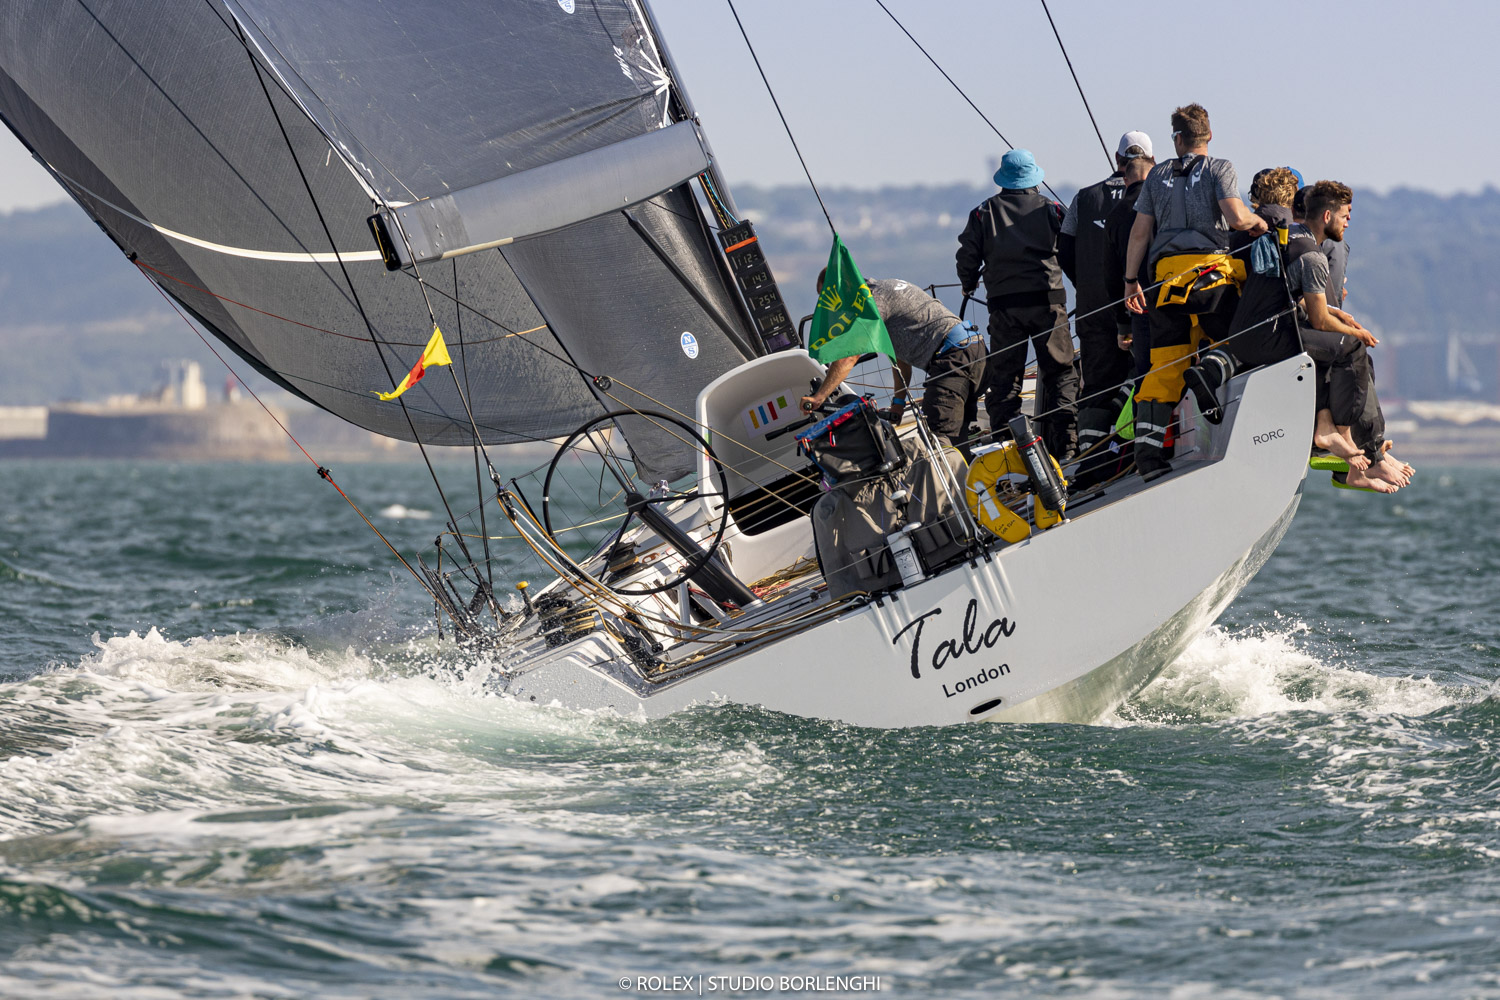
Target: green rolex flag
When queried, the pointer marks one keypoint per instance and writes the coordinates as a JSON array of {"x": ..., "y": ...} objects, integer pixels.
[{"x": 846, "y": 323}]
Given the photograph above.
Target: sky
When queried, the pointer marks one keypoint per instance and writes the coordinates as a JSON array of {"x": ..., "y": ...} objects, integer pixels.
[{"x": 1377, "y": 93}]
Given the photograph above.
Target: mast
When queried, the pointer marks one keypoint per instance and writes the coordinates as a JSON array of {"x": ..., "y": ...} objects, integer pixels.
[{"x": 715, "y": 177}]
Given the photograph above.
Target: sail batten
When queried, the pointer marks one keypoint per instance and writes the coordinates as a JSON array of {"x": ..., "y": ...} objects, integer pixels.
[{"x": 543, "y": 199}]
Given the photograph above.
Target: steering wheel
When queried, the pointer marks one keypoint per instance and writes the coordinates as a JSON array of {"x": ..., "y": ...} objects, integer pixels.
[{"x": 575, "y": 466}]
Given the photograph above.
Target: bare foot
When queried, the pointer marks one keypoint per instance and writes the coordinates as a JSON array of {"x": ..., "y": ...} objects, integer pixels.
[
  {"x": 1327, "y": 437},
  {"x": 1385, "y": 447},
  {"x": 1392, "y": 462},
  {"x": 1357, "y": 478},
  {"x": 1389, "y": 470}
]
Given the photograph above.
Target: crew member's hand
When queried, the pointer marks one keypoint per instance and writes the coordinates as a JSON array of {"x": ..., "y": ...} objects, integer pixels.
[
  {"x": 1360, "y": 333},
  {"x": 1259, "y": 226},
  {"x": 1124, "y": 340},
  {"x": 1346, "y": 318},
  {"x": 811, "y": 403},
  {"x": 895, "y": 413},
  {"x": 1135, "y": 301}
]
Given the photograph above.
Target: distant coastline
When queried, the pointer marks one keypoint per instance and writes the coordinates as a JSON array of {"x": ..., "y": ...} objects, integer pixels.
[{"x": 80, "y": 323}]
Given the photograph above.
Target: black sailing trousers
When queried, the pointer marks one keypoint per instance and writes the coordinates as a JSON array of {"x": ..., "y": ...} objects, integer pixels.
[
  {"x": 1045, "y": 327},
  {"x": 1105, "y": 366},
  {"x": 950, "y": 391}
]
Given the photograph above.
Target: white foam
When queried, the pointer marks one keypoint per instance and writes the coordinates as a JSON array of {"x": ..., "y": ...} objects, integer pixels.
[
  {"x": 218, "y": 663},
  {"x": 156, "y": 733},
  {"x": 1225, "y": 675},
  {"x": 159, "y": 729},
  {"x": 402, "y": 512}
]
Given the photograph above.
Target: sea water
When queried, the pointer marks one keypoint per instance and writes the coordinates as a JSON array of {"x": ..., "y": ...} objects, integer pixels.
[{"x": 235, "y": 761}]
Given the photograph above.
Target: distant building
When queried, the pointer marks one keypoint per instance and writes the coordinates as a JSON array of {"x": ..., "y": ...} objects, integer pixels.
[{"x": 174, "y": 422}]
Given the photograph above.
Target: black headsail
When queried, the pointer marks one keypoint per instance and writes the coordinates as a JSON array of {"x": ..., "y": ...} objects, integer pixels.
[{"x": 529, "y": 156}]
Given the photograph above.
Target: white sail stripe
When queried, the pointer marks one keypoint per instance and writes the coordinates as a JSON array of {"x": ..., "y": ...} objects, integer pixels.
[{"x": 276, "y": 255}]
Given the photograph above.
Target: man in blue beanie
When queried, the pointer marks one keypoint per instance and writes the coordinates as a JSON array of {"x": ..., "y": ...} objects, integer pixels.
[{"x": 1011, "y": 241}]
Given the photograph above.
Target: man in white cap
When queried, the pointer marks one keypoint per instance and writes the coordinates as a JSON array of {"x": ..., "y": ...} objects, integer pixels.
[
  {"x": 1083, "y": 250},
  {"x": 1011, "y": 240}
]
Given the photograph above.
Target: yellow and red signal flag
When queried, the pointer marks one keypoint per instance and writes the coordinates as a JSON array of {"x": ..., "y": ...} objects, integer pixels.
[{"x": 435, "y": 353}]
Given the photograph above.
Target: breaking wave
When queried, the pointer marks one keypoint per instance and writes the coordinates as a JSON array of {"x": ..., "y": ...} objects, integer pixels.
[{"x": 1267, "y": 671}]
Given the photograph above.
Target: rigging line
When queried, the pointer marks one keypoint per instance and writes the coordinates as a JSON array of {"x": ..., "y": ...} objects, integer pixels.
[
  {"x": 1069, "y": 61},
  {"x": 319, "y": 329},
  {"x": 322, "y": 471},
  {"x": 713, "y": 203},
  {"x": 494, "y": 322},
  {"x": 1289, "y": 310},
  {"x": 784, "y": 125},
  {"x": 333, "y": 333},
  {"x": 1111, "y": 305},
  {"x": 282, "y": 86},
  {"x": 726, "y": 218},
  {"x": 981, "y": 114},
  {"x": 192, "y": 124},
  {"x": 463, "y": 357},
  {"x": 317, "y": 208}
]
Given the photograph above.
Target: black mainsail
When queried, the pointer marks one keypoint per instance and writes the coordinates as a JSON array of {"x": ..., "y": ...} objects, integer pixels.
[{"x": 533, "y": 159}]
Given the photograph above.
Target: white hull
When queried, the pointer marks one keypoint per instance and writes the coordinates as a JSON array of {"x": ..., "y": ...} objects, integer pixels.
[{"x": 1058, "y": 628}]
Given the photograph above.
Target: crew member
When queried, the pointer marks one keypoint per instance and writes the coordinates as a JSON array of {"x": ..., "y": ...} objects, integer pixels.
[
  {"x": 1183, "y": 216},
  {"x": 1368, "y": 428},
  {"x": 1012, "y": 240},
  {"x": 925, "y": 335},
  {"x": 1133, "y": 331},
  {"x": 1339, "y": 344},
  {"x": 1263, "y": 330},
  {"x": 1083, "y": 251},
  {"x": 1258, "y": 334}
]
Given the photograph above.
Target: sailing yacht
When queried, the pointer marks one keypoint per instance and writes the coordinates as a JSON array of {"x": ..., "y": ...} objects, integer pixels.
[{"x": 324, "y": 187}]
